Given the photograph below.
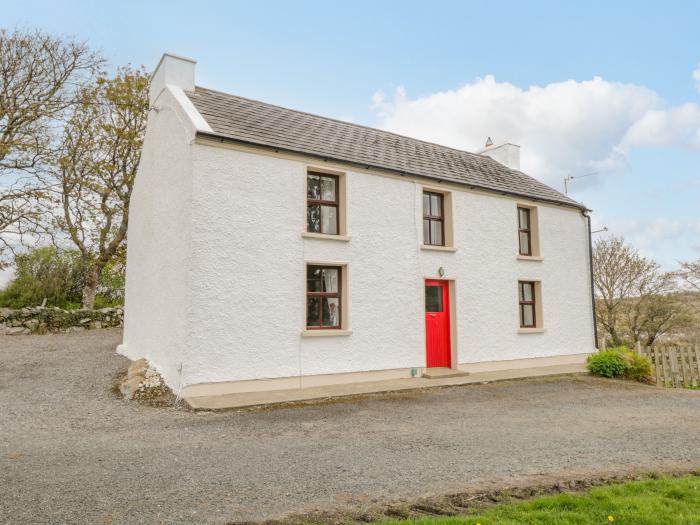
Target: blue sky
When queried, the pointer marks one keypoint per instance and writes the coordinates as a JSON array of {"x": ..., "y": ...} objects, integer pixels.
[{"x": 456, "y": 72}]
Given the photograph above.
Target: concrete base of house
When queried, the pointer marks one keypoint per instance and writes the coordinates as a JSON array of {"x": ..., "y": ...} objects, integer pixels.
[{"x": 236, "y": 394}]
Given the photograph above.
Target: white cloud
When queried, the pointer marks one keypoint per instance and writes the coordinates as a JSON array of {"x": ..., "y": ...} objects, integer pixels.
[
  {"x": 662, "y": 239},
  {"x": 663, "y": 229},
  {"x": 646, "y": 233},
  {"x": 568, "y": 127},
  {"x": 678, "y": 126},
  {"x": 378, "y": 99},
  {"x": 696, "y": 77}
]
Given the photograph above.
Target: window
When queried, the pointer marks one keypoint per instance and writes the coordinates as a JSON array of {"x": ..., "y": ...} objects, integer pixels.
[
  {"x": 433, "y": 219},
  {"x": 323, "y": 297},
  {"x": 433, "y": 299},
  {"x": 528, "y": 232},
  {"x": 528, "y": 304},
  {"x": 438, "y": 228},
  {"x": 322, "y": 214},
  {"x": 524, "y": 231}
]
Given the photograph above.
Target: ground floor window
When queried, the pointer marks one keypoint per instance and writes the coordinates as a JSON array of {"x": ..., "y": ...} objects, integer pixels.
[
  {"x": 323, "y": 297},
  {"x": 528, "y": 304}
]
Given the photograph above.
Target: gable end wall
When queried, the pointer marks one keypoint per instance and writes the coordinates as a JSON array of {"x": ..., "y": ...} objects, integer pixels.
[{"x": 159, "y": 238}]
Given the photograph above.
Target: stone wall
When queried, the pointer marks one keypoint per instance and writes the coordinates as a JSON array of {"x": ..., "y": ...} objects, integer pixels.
[{"x": 41, "y": 320}]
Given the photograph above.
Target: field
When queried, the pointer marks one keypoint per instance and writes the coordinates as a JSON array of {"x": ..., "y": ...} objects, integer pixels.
[{"x": 668, "y": 501}]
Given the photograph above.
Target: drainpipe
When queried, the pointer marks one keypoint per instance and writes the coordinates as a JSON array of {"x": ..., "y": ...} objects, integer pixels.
[{"x": 590, "y": 267}]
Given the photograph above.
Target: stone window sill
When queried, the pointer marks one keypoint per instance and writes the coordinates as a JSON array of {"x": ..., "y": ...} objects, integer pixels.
[
  {"x": 530, "y": 258},
  {"x": 438, "y": 248},
  {"x": 531, "y": 330},
  {"x": 309, "y": 235},
  {"x": 325, "y": 333}
]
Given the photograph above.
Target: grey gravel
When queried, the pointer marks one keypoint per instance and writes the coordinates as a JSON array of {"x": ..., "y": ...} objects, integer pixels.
[{"x": 71, "y": 452}]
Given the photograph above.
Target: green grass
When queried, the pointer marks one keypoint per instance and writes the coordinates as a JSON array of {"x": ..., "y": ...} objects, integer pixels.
[{"x": 665, "y": 501}]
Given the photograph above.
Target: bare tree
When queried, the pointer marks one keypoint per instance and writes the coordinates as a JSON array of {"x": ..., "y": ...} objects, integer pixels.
[
  {"x": 624, "y": 283},
  {"x": 690, "y": 273},
  {"x": 96, "y": 168},
  {"x": 19, "y": 213},
  {"x": 39, "y": 76},
  {"x": 653, "y": 316}
]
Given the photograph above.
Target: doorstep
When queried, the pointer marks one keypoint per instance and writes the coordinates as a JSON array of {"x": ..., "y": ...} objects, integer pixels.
[
  {"x": 246, "y": 399},
  {"x": 440, "y": 372}
]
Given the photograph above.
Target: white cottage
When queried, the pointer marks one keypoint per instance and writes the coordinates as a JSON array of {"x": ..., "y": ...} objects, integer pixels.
[{"x": 272, "y": 249}]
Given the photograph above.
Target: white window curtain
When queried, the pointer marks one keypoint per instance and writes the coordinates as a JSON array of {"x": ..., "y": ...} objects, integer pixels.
[{"x": 330, "y": 281}]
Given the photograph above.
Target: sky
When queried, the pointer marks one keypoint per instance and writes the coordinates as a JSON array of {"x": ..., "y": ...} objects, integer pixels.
[{"x": 605, "y": 92}]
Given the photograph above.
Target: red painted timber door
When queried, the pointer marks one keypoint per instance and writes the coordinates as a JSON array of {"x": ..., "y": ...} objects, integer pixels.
[{"x": 437, "y": 324}]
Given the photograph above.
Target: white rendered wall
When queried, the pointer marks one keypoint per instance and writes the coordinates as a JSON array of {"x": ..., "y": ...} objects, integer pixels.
[
  {"x": 157, "y": 274},
  {"x": 247, "y": 276}
]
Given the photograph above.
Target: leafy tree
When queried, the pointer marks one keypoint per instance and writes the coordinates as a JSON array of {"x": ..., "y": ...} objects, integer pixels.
[
  {"x": 112, "y": 281},
  {"x": 45, "y": 274},
  {"x": 39, "y": 78},
  {"x": 97, "y": 162},
  {"x": 58, "y": 276}
]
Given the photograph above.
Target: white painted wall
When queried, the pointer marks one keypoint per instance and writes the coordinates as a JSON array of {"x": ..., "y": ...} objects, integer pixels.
[
  {"x": 157, "y": 273},
  {"x": 215, "y": 286},
  {"x": 246, "y": 283}
]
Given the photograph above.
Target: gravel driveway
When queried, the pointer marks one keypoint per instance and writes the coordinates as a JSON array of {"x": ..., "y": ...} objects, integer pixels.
[{"x": 70, "y": 452}]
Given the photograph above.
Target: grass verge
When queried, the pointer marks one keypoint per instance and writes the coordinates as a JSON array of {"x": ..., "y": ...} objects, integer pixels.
[{"x": 668, "y": 501}]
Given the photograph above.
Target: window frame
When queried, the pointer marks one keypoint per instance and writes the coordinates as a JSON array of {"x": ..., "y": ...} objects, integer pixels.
[
  {"x": 321, "y": 295},
  {"x": 522, "y": 302},
  {"x": 527, "y": 230},
  {"x": 434, "y": 218},
  {"x": 322, "y": 202}
]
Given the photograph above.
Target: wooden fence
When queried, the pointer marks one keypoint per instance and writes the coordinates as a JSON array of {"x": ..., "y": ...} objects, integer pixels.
[{"x": 675, "y": 366}]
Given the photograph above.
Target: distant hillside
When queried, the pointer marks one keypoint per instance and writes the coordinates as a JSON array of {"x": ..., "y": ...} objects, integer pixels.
[
  {"x": 692, "y": 301},
  {"x": 687, "y": 334}
]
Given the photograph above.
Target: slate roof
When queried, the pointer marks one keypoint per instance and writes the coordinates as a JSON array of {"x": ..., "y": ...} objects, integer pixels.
[{"x": 253, "y": 122}]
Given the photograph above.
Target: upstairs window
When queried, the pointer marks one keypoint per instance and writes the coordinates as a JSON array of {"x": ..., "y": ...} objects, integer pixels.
[
  {"x": 528, "y": 304},
  {"x": 524, "y": 231},
  {"x": 323, "y": 297},
  {"x": 322, "y": 214},
  {"x": 433, "y": 219}
]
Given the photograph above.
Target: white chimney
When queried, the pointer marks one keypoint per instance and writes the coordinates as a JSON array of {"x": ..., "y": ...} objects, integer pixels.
[
  {"x": 172, "y": 70},
  {"x": 507, "y": 154}
]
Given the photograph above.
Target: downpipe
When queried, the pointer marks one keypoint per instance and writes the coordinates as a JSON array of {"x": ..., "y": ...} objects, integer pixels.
[{"x": 590, "y": 268}]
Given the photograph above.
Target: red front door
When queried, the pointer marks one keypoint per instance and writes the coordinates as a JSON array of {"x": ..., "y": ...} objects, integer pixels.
[{"x": 437, "y": 324}]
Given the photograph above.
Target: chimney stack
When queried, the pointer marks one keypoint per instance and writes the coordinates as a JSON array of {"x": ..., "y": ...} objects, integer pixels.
[
  {"x": 172, "y": 70},
  {"x": 507, "y": 154}
]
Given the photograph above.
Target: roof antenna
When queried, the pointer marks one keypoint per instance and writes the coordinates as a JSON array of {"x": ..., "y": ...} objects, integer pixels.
[{"x": 489, "y": 142}]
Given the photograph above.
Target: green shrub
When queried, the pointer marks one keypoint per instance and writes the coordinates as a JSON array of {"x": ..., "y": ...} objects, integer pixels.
[
  {"x": 620, "y": 361},
  {"x": 607, "y": 363},
  {"x": 57, "y": 276},
  {"x": 637, "y": 367},
  {"x": 44, "y": 273}
]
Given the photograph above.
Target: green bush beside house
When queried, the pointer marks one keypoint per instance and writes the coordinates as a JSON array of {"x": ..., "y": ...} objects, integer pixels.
[{"x": 620, "y": 361}]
